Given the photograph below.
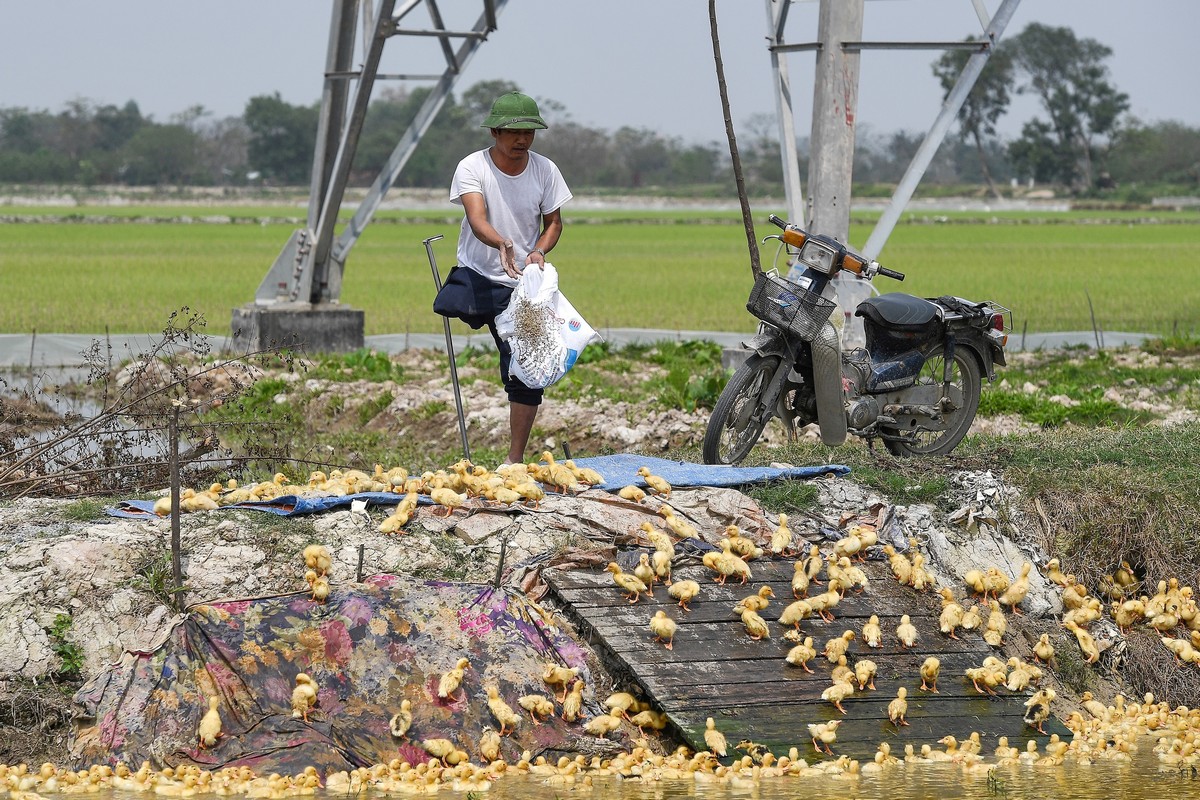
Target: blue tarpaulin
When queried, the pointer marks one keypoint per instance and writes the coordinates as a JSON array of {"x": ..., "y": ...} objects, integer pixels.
[{"x": 618, "y": 470}]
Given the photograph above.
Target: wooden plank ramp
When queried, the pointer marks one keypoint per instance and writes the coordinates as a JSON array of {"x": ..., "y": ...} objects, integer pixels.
[{"x": 715, "y": 669}]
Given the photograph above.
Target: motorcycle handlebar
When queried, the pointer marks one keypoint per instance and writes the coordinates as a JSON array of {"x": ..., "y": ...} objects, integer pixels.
[
  {"x": 891, "y": 273},
  {"x": 777, "y": 222}
]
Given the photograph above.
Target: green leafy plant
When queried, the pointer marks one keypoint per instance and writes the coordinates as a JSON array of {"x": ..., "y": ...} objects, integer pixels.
[
  {"x": 374, "y": 406},
  {"x": 362, "y": 364},
  {"x": 83, "y": 510},
  {"x": 70, "y": 655}
]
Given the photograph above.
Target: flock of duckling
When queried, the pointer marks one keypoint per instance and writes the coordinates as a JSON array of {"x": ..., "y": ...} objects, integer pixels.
[{"x": 1105, "y": 734}]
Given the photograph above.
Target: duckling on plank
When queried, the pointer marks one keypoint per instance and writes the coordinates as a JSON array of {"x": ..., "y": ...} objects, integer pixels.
[
  {"x": 1038, "y": 709},
  {"x": 801, "y": 654},
  {"x": 684, "y": 591},
  {"x": 824, "y": 733},
  {"x": 663, "y": 628},
  {"x": 781, "y": 539},
  {"x": 657, "y": 484},
  {"x": 930, "y": 668},
  {"x": 714, "y": 738},
  {"x": 898, "y": 708},
  {"x": 906, "y": 632},
  {"x": 631, "y": 584}
]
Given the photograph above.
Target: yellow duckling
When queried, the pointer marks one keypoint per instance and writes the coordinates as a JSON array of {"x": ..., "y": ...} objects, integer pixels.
[
  {"x": 952, "y": 613},
  {"x": 452, "y": 679},
  {"x": 448, "y": 499},
  {"x": 501, "y": 711},
  {"x": 663, "y": 628},
  {"x": 1043, "y": 651},
  {"x": 872, "y": 632},
  {"x": 538, "y": 706},
  {"x": 757, "y": 601},
  {"x": 755, "y": 625},
  {"x": 837, "y": 692},
  {"x": 1015, "y": 594},
  {"x": 660, "y": 560},
  {"x": 489, "y": 744},
  {"x": 849, "y": 545},
  {"x": 401, "y": 516},
  {"x": 898, "y": 708},
  {"x": 684, "y": 591},
  {"x": 1128, "y": 613},
  {"x": 781, "y": 539},
  {"x": 800, "y": 581},
  {"x": 824, "y": 733},
  {"x": 801, "y": 654},
  {"x": 824, "y": 602},
  {"x": 657, "y": 485},
  {"x": 813, "y": 563},
  {"x": 899, "y": 563},
  {"x": 557, "y": 675},
  {"x": 741, "y": 546},
  {"x": 645, "y": 573},
  {"x": 1054, "y": 572},
  {"x": 210, "y": 724},
  {"x": 931, "y": 667},
  {"x": 655, "y": 720},
  {"x": 631, "y": 584},
  {"x": 558, "y": 476},
  {"x": 632, "y": 493},
  {"x": 906, "y": 632},
  {"x": 795, "y": 612},
  {"x": 714, "y": 738},
  {"x": 603, "y": 724},
  {"x": 1094, "y": 706},
  {"x": 996, "y": 627},
  {"x": 864, "y": 673},
  {"x": 572, "y": 703},
  {"x": 585, "y": 475},
  {"x": 678, "y": 525},
  {"x": 726, "y": 564},
  {"x": 318, "y": 558},
  {"x": 304, "y": 696},
  {"x": 837, "y": 647},
  {"x": 319, "y": 586},
  {"x": 1087, "y": 644},
  {"x": 971, "y": 619}
]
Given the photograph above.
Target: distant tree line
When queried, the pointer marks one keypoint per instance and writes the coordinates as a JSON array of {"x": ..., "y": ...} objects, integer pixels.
[{"x": 1082, "y": 139}]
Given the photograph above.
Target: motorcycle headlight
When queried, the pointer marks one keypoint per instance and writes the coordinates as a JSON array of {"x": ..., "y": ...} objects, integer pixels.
[{"x": 818, "y": 255}]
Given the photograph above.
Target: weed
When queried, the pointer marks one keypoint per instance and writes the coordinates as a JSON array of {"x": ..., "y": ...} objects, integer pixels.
[
  {"x": 787, "y": 496},
  {"x": 373, "y": 407},
  {"x": 83, "y": 510},
  {"x": 156, "y": 577},
  {"x": 429, "y": 410},
  {"x": 362, "y": 364},
  {"x": 70, "y": 655}
]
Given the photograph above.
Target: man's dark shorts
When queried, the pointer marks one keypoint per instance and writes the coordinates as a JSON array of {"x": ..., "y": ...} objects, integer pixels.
[{"x": 471, "y": 297}]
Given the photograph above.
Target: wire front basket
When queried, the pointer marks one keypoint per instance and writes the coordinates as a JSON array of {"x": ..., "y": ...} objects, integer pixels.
[{"x": 789, "y": 306}]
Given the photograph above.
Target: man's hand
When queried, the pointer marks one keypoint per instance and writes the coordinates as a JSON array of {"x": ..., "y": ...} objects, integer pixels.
[{"x": 508, "y": 258}]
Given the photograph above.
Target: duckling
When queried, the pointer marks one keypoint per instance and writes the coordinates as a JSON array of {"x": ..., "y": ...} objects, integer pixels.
[
  {"x": 584, "y": 475},
  {"x": 684, "y": 591},
  {"x": 825, "y": 732},
  {"x": 402, "y": 720},
  {"x": 899, "y": 563},
  {"x": 622, "y": 703},
  {"x": 971, "y": 619},
  {"x": 813, "y": 563},
  {"x": 824, "y": 602},
  {"x": 1128, "y": 613},
  {"x": 663, "y": 628},
  {"x": 1019, "y": 675},
  {"x": 501, "y": 711},
  {"x": 1030, "y": 754},
  {"x": 898, "y": 708},
  {"x": 678, "y": 525},
  {"x": 872, "y": 632},
  {"x": 906, "y": 632},
  {"x": 631, "y": 584},
  {"x": 741, "y": 546},
  {"x": 400, "y": 517},
  {"x": 660, "y": 560},
  {"x": 557, "y": 675},
  {"x": 850, "y": 576},
  {"x": 572, "y": 704},
  {"x": 1043, "y": 651},
  {"x": 992, "y": 672},
  {"x": 848, "y": 545},
  {"x": 645, "y": 573},
  {"x": 1018, "y": 589},
  {"x": 1054, "y": 572},
  {"x": 714, "y": 738},
  {"x": 996, "y": 627},
  {"x": 319, "y": 586},
  {"x": 632, "y": 493},
  {"x": 448, "y": 499},
  {"x": 655, "y": 720},
  {"x": 864, "y": 673},
  {"x": 726, "y": 565},
  {"x": 976, "y": 582},
  {"x": 800, "y": 581},
  {"x": 538, "y": 706},
  {"x": 801, "y": 654},
  {"x": 1038, "y": 709},
  {"x": 781, "y": 539},
  {"x": 757, "y": 601},
  {"x": 1087, "y": 644},
  {"x": 657, "y": 484},
  {"x": 304, "y": 696},
  {"x": 842, "y": 673},
  {"x": 210, "y": 724},
  {"x": 952, "y": 613},
  {"x": 837, "y": 692},
  {"x": 922, "y": 579},
  {"x": 489, "y": 744},
  {"x": 834, "y": 648},
  {"x": 602, "y": 725},
  {"x": 755, "y": 625},
  {"x": 930, "y": 668},
  {"x": 318, "y": 558},
  {"x": 1094, "y": 706},
  {"x": 452, "y": 679}
]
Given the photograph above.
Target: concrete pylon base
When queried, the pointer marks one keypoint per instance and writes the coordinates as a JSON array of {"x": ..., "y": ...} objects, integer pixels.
[{"x": 315, "y": 328}]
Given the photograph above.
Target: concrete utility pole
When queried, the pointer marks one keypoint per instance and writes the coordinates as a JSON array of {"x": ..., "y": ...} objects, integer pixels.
[{"x": 835, "y": 106}]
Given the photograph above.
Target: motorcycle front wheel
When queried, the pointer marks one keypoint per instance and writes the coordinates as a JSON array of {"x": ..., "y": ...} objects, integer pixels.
[
  {"x": 963, "y": 392},
  {"x": 739, "y": 418}
]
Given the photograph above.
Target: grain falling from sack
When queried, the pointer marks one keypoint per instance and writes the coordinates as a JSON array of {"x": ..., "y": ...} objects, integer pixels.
[{"x": 535, "y": 328}]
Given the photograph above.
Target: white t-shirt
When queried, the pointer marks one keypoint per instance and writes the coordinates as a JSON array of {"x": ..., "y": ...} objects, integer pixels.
[{"x": 515, "y": 206}]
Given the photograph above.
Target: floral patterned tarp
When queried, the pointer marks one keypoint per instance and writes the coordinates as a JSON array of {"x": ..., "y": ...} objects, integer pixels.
[{"x": 369, "y": 646}]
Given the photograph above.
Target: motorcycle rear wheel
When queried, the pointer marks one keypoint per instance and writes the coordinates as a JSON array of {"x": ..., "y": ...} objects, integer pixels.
[
  {"x": 965, "y": 383},
  {"x": 738, "y": 418}
]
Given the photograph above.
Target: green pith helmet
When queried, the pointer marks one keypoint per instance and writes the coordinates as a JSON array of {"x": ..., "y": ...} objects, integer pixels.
[{"x": 515, "y": 111}]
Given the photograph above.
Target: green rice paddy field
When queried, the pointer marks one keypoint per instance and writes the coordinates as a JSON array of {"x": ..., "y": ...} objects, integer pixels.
[{"x": 1142, "y": 274}]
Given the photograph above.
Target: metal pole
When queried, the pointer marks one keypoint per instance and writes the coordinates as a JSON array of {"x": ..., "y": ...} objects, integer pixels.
[
  {"x": 776, "y": 15},
  {"x": 176, "y": 546},
  {"x": 458, "y": 404},
  {"x": 937, "y": 132}
]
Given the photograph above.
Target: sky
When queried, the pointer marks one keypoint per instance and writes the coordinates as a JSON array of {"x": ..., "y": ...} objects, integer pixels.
[{"x": 609, "y": 63}]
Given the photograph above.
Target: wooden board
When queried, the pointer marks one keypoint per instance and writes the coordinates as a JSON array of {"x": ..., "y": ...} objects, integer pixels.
[{"x": 715, "y": 669}]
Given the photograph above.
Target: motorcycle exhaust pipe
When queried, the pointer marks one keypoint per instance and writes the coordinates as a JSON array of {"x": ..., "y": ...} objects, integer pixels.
[{"x": 827, "y": 385}]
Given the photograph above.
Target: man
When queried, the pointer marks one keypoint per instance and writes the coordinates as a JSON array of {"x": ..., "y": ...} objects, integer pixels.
[{"x": 512, "y": 198}]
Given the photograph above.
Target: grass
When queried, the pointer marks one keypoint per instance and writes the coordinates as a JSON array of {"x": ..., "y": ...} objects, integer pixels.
[{"x": 88, "y": 278}]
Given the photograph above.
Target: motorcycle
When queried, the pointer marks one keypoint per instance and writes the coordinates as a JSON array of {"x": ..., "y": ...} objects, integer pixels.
[{"x": 915, "y": 386}]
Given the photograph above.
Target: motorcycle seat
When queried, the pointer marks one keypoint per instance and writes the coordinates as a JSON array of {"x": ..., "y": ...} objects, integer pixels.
[{"x": 898, "y": 310}]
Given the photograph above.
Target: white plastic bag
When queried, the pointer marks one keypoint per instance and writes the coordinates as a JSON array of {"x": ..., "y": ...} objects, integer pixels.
[{"x": 543, "y": 329}]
